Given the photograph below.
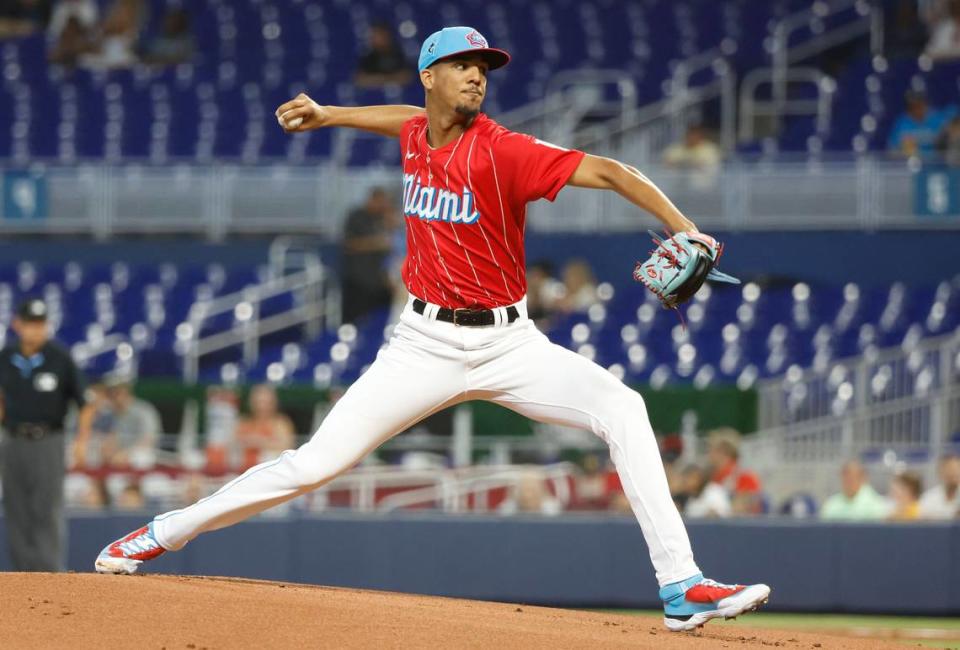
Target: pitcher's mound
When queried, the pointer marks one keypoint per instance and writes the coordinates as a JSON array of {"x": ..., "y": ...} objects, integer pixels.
[{"x": 153, "y": 611}]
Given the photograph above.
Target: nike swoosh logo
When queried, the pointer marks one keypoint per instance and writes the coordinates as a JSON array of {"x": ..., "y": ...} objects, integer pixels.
[{"x": 411, "y": 155}]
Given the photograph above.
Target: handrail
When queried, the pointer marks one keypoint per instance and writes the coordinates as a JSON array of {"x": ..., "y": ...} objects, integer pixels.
[
  {"x": 556, "y": 114},
  {"x": 750, "y": 106},
  {"x": 201, "y": 311},
  {"x": 451, "y": 491},
  {"x": 245, "y": 304},
  {"x": 84, "y": 351},
  {"x": 870, "y": 22},
  {"x": 881, "y": 356},
  {"x": 681, "y": 97}
]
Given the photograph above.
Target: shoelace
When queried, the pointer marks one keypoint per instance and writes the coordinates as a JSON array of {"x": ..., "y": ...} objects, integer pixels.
[
  {"x": 713, "y": 583},
  {"x": 139, "y": 544}
]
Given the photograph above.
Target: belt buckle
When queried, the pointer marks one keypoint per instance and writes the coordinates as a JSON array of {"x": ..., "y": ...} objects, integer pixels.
[{"x": 455, "y": 312}]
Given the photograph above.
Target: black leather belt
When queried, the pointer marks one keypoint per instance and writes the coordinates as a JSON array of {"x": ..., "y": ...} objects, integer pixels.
[
  {"x": 466, "y": 317},
  {"x": 31, "y": 430}
]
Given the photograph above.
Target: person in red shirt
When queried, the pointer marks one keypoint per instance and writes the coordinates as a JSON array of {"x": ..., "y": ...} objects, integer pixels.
[
  {"x": 465, "y": 333},
  {"x": 742, "y": 485}
]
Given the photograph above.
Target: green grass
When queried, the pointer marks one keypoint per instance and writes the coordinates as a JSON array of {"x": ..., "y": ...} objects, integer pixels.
[{"x": 945, "y": 630}]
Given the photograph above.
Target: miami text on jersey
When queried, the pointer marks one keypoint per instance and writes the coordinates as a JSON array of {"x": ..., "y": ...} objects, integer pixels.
[{"x": 432, "y": 203}]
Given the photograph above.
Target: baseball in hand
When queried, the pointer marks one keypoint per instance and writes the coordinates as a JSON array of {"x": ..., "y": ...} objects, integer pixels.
[{"x": 292, "y": 123}]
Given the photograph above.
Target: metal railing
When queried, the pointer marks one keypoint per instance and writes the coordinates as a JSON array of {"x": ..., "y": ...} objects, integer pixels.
[
  {"x": 854, "y": 18},
  {"x": 870, "y": 381},
  {"x": 469, "y": 489},
  {"x": 750, "y": 107},
  {"x": 807, "y": 456},
  {"x": 863, "y": 17},
  {"x": 570, "y": 96},
  {"x": 744, "y": 193},
  {"x": 898, "y": 407},
  {"x": 248, "y": 324},
  {"x": 648, "y": 129}
]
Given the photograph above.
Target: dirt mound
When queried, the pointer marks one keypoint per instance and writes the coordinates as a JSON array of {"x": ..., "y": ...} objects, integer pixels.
[{"x": 152, "y": 611}]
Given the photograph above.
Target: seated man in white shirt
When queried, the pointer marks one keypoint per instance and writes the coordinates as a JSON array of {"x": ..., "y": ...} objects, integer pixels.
[
  {"x": 704, "y": 497},
  {"x": 943, "y": 501}
]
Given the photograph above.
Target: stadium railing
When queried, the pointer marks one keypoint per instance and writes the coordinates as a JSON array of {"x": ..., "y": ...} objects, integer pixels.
[
  {"x": 745, "y": 193},
  {"x": 892, "y": 410}
]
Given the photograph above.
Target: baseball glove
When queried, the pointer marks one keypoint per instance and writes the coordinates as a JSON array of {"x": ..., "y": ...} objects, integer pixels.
[{"x": 678, "y": 266}]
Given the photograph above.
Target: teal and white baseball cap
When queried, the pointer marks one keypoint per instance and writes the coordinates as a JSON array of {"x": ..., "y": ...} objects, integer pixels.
[{"x": 450, "y": 41}]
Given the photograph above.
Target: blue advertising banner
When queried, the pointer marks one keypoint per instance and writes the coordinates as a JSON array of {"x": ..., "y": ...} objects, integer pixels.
[
  {"x": 24, "y": 195},
  {"x": 937, "y": 192}
]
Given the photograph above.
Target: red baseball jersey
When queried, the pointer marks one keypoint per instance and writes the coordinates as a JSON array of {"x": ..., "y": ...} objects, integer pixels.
[{"x": 465, "y": 207}]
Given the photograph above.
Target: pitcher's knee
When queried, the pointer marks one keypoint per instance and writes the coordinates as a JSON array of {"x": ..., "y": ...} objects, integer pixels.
[
  {"x": 624, "y": 411},
  {"x": 311, "y": 470}
]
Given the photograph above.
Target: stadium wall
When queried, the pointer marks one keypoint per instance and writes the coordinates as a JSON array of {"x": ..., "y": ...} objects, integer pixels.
[
  {"x": 811, "y": 256},
  {"x": 583, "y": 561}
]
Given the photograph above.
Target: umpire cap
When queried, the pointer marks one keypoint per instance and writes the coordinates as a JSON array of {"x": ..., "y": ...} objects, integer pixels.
[{"x": 32, "y": 310}]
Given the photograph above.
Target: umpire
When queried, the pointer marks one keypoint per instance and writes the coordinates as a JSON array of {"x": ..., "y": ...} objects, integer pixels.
[{"x": 38, "y": 380}]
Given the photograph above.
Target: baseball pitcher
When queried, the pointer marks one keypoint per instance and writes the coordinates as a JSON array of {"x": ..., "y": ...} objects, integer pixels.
[{"x": 465, "y": 335}]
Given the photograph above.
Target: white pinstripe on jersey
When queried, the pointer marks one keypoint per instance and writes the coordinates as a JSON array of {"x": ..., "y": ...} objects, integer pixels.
[
  {"x": 446, "y": 180},
  {"x": 503, "y": 216},
  {"x": 493, "y": 257}
]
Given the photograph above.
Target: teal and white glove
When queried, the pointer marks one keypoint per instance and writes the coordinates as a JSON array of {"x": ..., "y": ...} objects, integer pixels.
[{"x": 678, "y": 267}]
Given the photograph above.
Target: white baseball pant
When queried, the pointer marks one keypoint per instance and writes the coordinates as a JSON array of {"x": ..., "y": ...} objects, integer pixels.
[{"x": 430, "y": 365}]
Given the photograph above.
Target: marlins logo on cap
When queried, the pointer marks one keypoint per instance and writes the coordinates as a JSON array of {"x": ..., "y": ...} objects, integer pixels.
[
  {"x": 476, "y": 39},
  {"x": 451, "y": 41}
]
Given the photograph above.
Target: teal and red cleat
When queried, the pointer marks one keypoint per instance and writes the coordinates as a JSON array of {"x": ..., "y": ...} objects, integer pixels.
[
  {"x": 127, "y": 553},
  {"x": 690, "y": 603}
]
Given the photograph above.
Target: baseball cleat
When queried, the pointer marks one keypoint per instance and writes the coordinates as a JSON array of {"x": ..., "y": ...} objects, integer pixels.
[
  {"x": 127, "y": 553},
  {"x": 690, "y": 603}
]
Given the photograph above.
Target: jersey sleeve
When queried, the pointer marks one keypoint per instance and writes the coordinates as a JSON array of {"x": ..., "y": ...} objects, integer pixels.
[
  {"x": 405, "y": 130},
  {"x": 536, "y": 169}
]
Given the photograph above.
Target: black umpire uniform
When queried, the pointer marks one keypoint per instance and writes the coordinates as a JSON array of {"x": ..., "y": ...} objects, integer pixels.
[{"x": 38, "y": 380}]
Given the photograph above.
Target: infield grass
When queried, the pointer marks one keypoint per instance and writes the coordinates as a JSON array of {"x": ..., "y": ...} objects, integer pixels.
[{"x": 928, "y": 632}]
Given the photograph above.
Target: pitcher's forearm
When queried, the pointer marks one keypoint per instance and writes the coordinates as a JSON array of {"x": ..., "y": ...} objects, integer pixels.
[
  {"x": 598, "y": 172},
  {"x": 385, "y": 120},
  {"x": 303, "y": 114}
]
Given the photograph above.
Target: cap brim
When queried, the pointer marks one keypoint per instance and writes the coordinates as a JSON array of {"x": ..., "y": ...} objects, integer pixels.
[{"x": 496, "y": 58}]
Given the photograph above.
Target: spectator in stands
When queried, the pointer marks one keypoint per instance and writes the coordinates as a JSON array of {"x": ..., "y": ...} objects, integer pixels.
[
  {"x": 945, "y": 35},
  {"x": 905, "y": 489},
  {"x": 98, "y": 396},
  {"x": 384, "y": 61},
  {"x": 23, "y": 17},
  {"x": 175, "y": 42},
  {"x": 943, "y": 501},
  {"x": 543, "y": 292},
  {"x": 136, "y": 429},
  {"x": 857, "y": 499},
  {"x": 697, "y": 154},
  {"x": 119, "y": 33},
  {"x": 597, "y": 484},
  {"x": 366, "y": 248},
  {"x": 530, "y": 495},
  {"x": 84, "y": 492},
  {"x": 703, "y": 497},
  {"x": 906, "y": 34},
  {"x": 222, "y": 414},
  {"x": 915, "y": 132},
  {"x": 743, "y": 486},
  {"x": 85, "y": 12},
  {"x": 579, "y": 288},
  {"x": 73, "y": 43},
  {"x": 130, "y": 497},
  {"x": 948, "y": 142},
  {"x": 265, "y": 432}
]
